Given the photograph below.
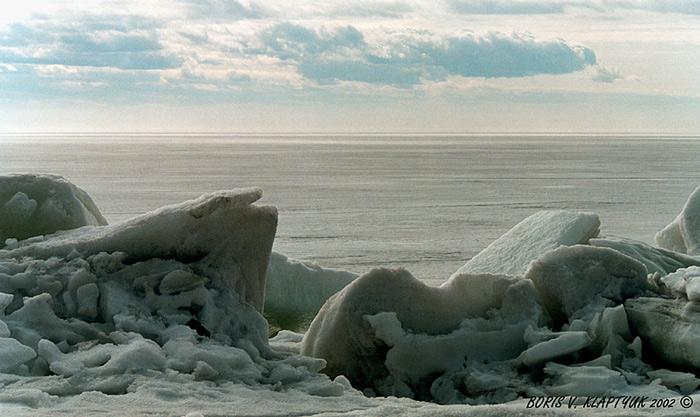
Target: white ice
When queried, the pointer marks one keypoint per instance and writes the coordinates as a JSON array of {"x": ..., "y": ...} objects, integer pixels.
[
  {"x": 683, "y": 234},
  {"x": 531, "y": 238},
  {"x": 301, "y": 287},
  {"x": 656, "y": 260},
  {"x": 576, "y": 281},
  {"x": 472, "y": 320},
  {"x": 685, "y": 281},
  {"x": 32, "y": 205}
]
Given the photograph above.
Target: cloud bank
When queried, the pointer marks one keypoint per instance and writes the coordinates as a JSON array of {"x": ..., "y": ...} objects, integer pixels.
[
  {"x": 244, "y": 52},
  {"x": 408, "y": 58}
]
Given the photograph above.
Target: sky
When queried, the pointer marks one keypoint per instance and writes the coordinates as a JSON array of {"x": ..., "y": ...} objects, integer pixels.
[{"x": 353, "y": 66}]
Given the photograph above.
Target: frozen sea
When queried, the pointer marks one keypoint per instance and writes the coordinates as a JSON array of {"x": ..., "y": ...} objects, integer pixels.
[{"x": 425, "y": 202}]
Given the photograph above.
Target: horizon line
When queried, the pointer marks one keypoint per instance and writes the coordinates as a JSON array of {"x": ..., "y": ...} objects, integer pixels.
[{"x": 341, "y": 133}]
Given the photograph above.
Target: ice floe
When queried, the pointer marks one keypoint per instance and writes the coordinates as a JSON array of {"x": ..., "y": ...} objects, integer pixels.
[{"x": 32, "y": 205}]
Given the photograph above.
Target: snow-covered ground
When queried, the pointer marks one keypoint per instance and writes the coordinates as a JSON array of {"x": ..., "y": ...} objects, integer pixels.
[{"x": 163, "y": 315}]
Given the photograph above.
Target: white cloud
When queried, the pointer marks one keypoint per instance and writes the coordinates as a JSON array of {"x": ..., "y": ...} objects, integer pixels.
[
  {"x": 406, "y": 58},
  {"x": 546, "y": 7},
  {"x": 606, "y": 75}
]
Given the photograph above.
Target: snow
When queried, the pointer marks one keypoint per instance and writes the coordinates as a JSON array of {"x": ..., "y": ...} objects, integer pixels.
[
  {"x": 531, "y": 238},
  {"x": 32, "y": 205},
  {"x": 685, "y": 282},
  {"x": 163, "y": 315}
]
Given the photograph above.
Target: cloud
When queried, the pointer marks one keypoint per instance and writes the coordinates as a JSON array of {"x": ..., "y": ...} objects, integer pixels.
[
  {"x": 515, "y": 55},
  {"x": 59, "y": 82},
  {"x": 409, "y": 57},
  {"x": 290, "y": 41},
  {"x": 546, "y": 7},
  {"x": 335, "y": 71},
  {"x": 376, "y": 8},
  {"x": 687, "y": 7},
  {"x": 124, "y": 42},
  {"x": 606, "y": 75},
  {"x": 495, "y": 7},
  {"x": 223, "y": 9}
]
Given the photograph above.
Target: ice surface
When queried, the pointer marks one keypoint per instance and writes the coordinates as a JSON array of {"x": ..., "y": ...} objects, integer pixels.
[
  {"x": 657, "y": 260},
  {"x": 670, "y": 327},
  {"x": 352, "y": 336},
  {"x": 32, "y": 205},
  {"x": 563, "y": 344},
  {"x": 683, "y": 234},
  {"x": 575, "y": 281},
  {"x": 296, "y": 290},
  {"x": 161, "y": 315},
  {"x": 531, "y": 238}
]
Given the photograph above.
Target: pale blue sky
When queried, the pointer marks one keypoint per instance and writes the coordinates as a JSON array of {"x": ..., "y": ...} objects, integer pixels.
[{"x": 350, "y": 66}]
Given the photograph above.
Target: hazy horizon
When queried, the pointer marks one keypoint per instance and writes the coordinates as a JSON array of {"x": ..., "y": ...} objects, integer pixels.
[{"x": 176, "y": 133}]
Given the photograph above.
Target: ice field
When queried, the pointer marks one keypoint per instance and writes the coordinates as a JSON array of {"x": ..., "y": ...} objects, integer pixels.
[
  {"x": 161, "y": 313},
  {"x": 425, "y": 203}
]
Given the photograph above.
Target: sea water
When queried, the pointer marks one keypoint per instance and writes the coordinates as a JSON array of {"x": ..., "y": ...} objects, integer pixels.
[{"x": 427, "y": 203}]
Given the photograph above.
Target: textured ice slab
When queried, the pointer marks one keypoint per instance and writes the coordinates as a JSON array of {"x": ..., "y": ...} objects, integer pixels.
[
  {"x": 670, "y": 327},
  {"x": 532, "y": 238},
  {"x": 486, "y": 338},
  {"x": 563, "y": 344},
  {"x": 576, "y": 281},
  {"x": 683, "y": 234},
  {"x": 301, "y": 287},
  {"x": 32, "y": 205},
  {"x": 659, "y": 260},
  {"x": 390, "y": 332},
  {"x": 101, "y": 301},
  {"x": 224, "y": 226}
]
